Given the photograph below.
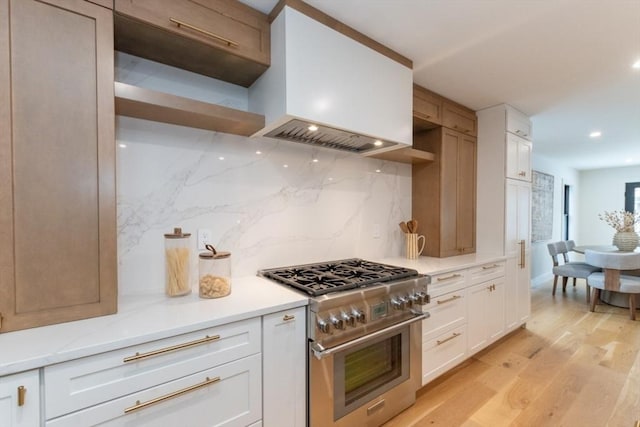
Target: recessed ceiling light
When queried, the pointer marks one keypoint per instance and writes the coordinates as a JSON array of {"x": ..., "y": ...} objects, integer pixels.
[
  {"x": 313, "y": 128},
  {"x": 122, "y": 145},
  {"x": 378, "y": 143},
  {"x": 628, "y": 160},
  {"x": 595, "y": 134},
  {"x": 315, "y": 160},
  {"x": 285, "y": 166},
  {"x": 258, "y": 152},
  {"x": 636, "y": 65},
  {"x": 220, "y": 158},
  {"x": 378, "y": 171}
]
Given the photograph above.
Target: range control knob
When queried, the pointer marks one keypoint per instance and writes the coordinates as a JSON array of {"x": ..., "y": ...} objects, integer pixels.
[
  {"x": 348, "y": 319},
  {"x": 337, "y": 323},
  {"x": 396, "y": 304},
  {"x": 421, "y": 298},
  {"x": 324, "y": 326},
  {"x": 359, "y": 316}
]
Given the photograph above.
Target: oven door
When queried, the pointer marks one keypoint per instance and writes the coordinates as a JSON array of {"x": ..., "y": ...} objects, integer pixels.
[{"x": 368, "y": 380}]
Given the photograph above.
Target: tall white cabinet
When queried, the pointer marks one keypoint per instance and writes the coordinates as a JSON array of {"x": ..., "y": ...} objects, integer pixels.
[
  {"x": 504, "y": 202},
  {"x": 20, "y": 400}
]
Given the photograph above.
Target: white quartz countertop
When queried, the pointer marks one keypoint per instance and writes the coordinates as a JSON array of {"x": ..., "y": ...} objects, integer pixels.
[
  {"x": 140, "y": 319},
  {"x": 429, "y": 265}
]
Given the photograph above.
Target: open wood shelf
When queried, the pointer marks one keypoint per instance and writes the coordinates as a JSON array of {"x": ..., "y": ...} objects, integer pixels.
[
  {"x": 405, "y": 155},
  {"x": 134, "y": 101}
]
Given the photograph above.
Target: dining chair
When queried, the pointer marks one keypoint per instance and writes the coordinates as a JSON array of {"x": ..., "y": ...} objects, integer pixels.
[
  {"x": 611, "y": 278},
  {"x": 568, "y": 269}
]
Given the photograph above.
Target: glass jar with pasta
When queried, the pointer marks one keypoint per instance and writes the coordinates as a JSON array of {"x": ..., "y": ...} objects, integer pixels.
[
  {"x": 215, "y": 273},
  {"x": 177, "y": 252}
]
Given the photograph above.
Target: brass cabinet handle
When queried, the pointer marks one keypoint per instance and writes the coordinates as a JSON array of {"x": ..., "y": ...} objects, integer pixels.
[
  {"x": 228, "y": 42},
  {"x": 453, "y": 276},
  {"x": 455, "y": 335},
  {"x": 522, "y": 258},
  {"x": 141, "y": 405},
  {"x": 22, "y": 391},
  {"x": 491, "y": 288},
  {"x": 189, "y": 344},
  {"x": 453, "y": 298},
  {"x": 522, "y": 173},
  {"x": 490, "y": 267},
  {"x": 288, "y": 317}
]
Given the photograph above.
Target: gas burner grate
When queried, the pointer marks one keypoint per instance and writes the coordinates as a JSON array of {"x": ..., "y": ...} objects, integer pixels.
[{"x": 322, "y": 278}]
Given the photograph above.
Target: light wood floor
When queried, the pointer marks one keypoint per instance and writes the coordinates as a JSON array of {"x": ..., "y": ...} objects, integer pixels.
[{"x": 569, "y": 367}]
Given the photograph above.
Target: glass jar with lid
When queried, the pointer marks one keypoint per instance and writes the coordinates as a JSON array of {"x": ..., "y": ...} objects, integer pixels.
[
  {"x": 177, "y": 252},
  {"x": 215, "y": 273}
]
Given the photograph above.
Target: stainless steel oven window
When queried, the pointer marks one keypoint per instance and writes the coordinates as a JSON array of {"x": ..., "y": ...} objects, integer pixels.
[{"x": 370, "y": 369}]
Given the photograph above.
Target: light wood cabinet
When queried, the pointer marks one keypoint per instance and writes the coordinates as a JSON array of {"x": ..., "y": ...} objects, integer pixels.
[
  {"x": 20, "y": 399},
  {"x": 427, "y": 108},
  {"x": 459, "y": 118},
  {"x": 443, "y": 192},
  {"x": 485, "y": 315},
  {"x": 57, "y": 163},
  {"x": 285, "y": 367},
  {"x": 222, "y": 39},
  {"x": 518, "y": 158}
]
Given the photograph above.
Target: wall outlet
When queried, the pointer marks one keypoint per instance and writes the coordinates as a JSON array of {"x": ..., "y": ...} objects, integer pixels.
[{"x": 204, "y": 238}]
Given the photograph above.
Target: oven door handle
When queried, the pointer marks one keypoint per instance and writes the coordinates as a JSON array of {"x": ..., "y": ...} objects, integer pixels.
[{"x": 320, "y": 352}]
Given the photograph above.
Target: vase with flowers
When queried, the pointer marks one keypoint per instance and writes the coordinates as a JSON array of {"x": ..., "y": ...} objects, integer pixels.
[{"x": 624, "y": 222}]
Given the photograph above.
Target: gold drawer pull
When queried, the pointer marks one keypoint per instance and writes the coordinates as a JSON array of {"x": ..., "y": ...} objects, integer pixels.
[
  {"x": 489, "y": 267},
  {"x": 453, "y": 298},
  {"x": 189, "y": 344},
  {"x": 22, "y": 391},
  {"x": 228, "y": 42},
  {"x": 288, "y": 317},
  {"x": 453, "y": 276},
  {"x": 455, "y": 335},
  {"x": 143, "y": 405},
  {"x": 491, "y": 288}
]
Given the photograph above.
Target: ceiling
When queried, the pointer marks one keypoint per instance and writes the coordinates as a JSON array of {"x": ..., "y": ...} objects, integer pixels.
[{"x": 565, "y": 63}]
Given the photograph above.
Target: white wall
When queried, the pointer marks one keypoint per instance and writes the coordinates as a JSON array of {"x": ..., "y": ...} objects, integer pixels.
[
  {"x": 265, "y": 214},
  {"x": 602, "y": 190},
  {"x": 540, "y": 260}
]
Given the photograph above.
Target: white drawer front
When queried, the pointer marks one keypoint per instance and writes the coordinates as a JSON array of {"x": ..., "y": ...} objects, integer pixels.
[
  {"x": 81, "y": 383},
  {"x": 447, "y": 282},
  {"x": 443, "y": 352},
  {"x": 233, "y": 400},
  {"x": 445, "y": 311},
  {"x": 487, "y": 271}
]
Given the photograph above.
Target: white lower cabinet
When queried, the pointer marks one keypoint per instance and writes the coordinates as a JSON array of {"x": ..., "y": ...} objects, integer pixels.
[
  {"x": 227, "y": 395},
  {"x": 284, "y": 357},
  {"x": 517, "y": 292},
  {"x": 20, "y": 399},
  {"x": 442, "y": 352},
  {"x": 485, "y": 313}
]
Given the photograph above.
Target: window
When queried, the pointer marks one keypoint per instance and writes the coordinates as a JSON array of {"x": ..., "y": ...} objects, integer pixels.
[{"x": 632, "y": 199}]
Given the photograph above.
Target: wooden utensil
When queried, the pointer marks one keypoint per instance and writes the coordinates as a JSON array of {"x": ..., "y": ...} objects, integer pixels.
[
  {"x": 410, "y": 226},
  {"x": 413, "y": 225},
  {"x": 403, "y": 227}
]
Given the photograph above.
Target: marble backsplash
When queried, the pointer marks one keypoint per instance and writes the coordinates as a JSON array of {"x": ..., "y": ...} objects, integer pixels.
[{"x": 270, "y": 203}]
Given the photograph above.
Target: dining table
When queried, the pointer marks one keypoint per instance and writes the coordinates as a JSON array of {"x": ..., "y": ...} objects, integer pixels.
[{"x": 610, "y": 297}]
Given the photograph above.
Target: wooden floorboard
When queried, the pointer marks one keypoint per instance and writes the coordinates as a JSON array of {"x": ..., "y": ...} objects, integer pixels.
[{"x": 568, "y": 367}]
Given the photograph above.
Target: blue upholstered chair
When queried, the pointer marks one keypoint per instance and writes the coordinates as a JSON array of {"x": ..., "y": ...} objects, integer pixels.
[
  {"x": 614, "y": 264},
  {"x": 563, "y": 267}
]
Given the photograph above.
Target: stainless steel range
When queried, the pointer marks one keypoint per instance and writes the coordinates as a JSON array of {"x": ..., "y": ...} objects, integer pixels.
[{"x": 364, "y": 329}]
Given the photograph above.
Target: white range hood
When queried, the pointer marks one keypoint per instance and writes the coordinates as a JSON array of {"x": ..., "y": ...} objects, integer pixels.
[{"x": 359, "y": 99}]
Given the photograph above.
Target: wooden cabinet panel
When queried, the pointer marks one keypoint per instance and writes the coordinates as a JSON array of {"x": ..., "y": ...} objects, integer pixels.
[
  {"x": 57, "y": 216},
  {"x": 14, "y": 413},
  {"x": 459, "y": 118},
  {"x": 443, "y": 192},
  {"x": 222, "y": 39},
  {"x": 427, "y": 107}
]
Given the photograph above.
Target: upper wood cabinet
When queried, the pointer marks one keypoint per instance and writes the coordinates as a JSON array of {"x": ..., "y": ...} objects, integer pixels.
[
  {"x": 459, "y": 118},
  {"x": 518, "y": 123},
  {"x": 444, "y": 192},
  {"x": 57, "y": 163},
  {"x": 427, "y": 108},
  {"x": 223, "y": 39}
]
